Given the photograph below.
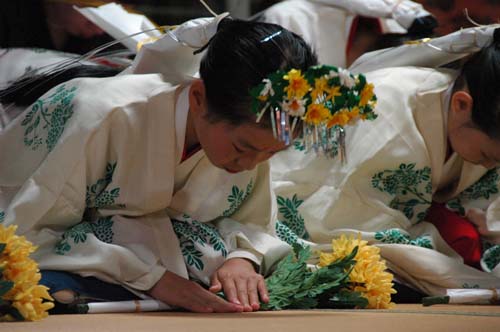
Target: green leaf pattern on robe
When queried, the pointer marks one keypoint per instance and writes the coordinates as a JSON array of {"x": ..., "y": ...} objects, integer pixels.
[
  {"x": 469, "y": 286},
  {"x": 286, "y": 234},
  {"x": 236, "y": 198},
  {"x": 193, "y": 236},
  {"x": 484, "y": 188},
  {"x": 299, "y": 145},
  {"x": 395, "y": 235},
  {"x": 410, "y": 187},
  {"x": 290, "y": 226},
  {"x": 102, "y": 229},
  {"x": 97, "y": 196},
  {"x": 491, "y": 257},
  {"x": 48, "y": 118}
]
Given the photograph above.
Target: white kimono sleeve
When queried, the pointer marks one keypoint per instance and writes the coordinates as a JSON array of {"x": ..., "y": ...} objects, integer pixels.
[
  {"x": 86, "y": 187},
  {"x": 248, "y": 231}
]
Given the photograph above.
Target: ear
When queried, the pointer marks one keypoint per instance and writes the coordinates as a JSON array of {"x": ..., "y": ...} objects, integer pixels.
[
  {"x": 197, "y": 98},
  {"x": 461, "y": 104}
]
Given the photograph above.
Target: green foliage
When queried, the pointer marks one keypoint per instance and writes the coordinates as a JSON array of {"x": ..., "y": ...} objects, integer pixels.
[
  {"x": 6, "y": 308},
  {"x": 294, "y": 286},
  {"x": 5, "y": 286},
  {"x": 346, "y": 299}
]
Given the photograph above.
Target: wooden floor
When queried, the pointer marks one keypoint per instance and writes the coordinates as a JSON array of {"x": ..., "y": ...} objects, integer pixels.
[{"x": 403, "y": 318}]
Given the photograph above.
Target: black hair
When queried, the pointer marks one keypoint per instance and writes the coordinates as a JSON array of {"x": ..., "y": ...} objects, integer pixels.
[
  {"x": 239, "y": 56},
  {"x": 481, "y": 73},
  {"x": 27, "y": 89}
]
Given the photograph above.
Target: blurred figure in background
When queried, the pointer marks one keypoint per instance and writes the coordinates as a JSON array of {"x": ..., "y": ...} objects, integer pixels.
[
  {"x": 65, "y": 23},
  {"x": 451, "y": 17},
  {"x": 341, "y": 31},
  {"x": 49, "y": 24}
]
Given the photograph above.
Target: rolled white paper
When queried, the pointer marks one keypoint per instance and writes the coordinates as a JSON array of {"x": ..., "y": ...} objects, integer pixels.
[{"x": 127, "y": 306}]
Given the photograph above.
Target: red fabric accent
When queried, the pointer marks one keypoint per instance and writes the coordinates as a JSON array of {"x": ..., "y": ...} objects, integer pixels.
[
  {"x": 372, "y": 22},
  {"x": 106, "y": 62},
  {"x": 352, "y": 34},
  {"x": 188, "y": 154},
  {"x": 379, "y": 26},
  {"x": 458, "y": 232}
]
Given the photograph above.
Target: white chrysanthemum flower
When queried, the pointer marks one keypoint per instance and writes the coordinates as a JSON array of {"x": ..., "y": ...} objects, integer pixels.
[
  {"x": 332, "y": 74},
  {"x": 346, "y": 79},
  {"x": 294, "y": 107},
  {"x": 268, "y": 88}
]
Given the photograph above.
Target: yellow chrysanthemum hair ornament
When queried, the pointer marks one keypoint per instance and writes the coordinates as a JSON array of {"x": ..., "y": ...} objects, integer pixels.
[
  {"x": 21, "y": 297},
  {"x": 326, "y": 98}
]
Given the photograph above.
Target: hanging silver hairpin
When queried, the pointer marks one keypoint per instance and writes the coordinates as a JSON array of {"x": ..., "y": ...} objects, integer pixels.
[
  {"x": 208, "y": 8},
  {"x": 467, "y": 16},
  {"x": 341, "y": 142}
]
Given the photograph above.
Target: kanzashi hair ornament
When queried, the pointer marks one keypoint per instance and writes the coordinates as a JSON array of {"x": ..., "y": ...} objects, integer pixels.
[
  {"x": 270, "y": 37},
  {"x": 325, "y": 98}
]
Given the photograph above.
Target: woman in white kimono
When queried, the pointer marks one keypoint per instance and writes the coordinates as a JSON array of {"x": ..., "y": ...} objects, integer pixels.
[
  {"x": 27, "y": 62},
  {"x": 143, "y": 184},
  {"x": 436, "y": 139},
  {"x": 331, "y": 26}
]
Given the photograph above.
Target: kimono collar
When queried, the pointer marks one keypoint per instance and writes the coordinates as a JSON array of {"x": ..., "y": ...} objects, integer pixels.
[
  {"x": 446, "y": 99},
  {"x": 181, "y": 114}
]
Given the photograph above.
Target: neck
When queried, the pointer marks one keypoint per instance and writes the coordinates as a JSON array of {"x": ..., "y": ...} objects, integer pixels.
[
  {"x": 449, "y": 149},
  {"x": 191, "y": 140}
]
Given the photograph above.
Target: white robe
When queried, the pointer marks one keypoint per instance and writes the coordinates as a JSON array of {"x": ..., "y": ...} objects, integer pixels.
[
  {"x": 395, "y": 168},
  {"x": 92, "y": 174},
  {"x": 326, "y": 24},
  {"x": 16, "y": 63},
  {"x": 323, "y": 27}
]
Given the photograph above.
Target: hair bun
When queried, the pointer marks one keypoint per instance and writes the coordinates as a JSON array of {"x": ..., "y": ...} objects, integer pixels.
[
  {"x": 496, "y": 36},
  {"x": 224, "y": 23}
]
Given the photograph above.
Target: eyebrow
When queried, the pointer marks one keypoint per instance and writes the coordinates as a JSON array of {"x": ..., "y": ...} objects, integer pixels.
[{"x": 247, "y": 145}]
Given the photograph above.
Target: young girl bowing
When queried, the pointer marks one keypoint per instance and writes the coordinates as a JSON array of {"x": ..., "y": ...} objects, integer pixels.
[
  {"x": 435, "y": 142},
  {"x": 143, "y": 184}
]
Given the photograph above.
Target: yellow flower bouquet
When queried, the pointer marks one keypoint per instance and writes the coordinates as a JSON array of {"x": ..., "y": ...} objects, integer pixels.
[
  {"x": 368, "y": 275},
  {"x": 352, "y": 276},
  {"x": 21, "y": 298}
]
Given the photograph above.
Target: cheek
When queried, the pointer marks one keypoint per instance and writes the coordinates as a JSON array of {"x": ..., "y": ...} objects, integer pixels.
[
  {"x": 218, "y": 148},
  {"x": 224, "y": 153},
  {"x": 468, "y": 145}
]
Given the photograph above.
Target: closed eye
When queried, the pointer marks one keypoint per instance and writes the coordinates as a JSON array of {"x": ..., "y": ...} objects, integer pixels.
[{"x": 237, "y": 149}]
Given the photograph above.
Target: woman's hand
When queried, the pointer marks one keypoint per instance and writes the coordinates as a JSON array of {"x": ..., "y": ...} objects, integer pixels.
[
  {"x": 241, "y": 284},
  {"x": 179, "y": 292}
]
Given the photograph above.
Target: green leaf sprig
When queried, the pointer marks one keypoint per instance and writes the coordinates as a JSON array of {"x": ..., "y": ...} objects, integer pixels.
[{"x": 293, "y": 285}]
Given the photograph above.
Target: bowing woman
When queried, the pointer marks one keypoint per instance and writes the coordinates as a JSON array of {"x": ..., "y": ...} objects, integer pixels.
[
  {"x": 433, "y": 150},
  {"x": 133, "y": 186}
]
